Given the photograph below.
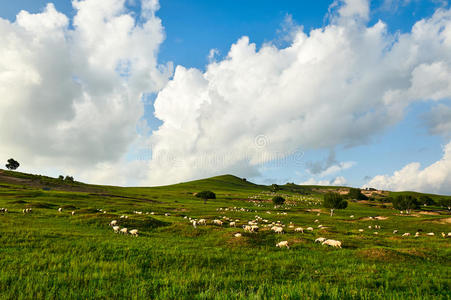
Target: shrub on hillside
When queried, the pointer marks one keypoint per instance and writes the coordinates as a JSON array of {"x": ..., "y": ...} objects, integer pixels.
[
  {"x": 278, "y": 200},
  {"x": 405, "y": 202},
  {"x": 334, "y": 201},
  {"x": 356, "y": 194},
  {"x": 205, "y": 195}
]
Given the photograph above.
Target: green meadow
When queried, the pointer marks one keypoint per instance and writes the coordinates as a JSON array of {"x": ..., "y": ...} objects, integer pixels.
[{"x": 47, "y": 254}]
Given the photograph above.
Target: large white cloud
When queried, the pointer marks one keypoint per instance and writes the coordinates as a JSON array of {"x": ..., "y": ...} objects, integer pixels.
[
  {"x": 435, "y": 178},
  {"x": 71, "y": 93},
  {"x": 338, "y": 85}
]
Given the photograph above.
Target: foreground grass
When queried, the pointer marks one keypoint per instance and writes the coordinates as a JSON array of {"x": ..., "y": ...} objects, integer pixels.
[{"x": 46, "y": 254}]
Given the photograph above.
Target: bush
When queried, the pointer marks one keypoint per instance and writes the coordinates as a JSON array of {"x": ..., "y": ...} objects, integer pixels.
[
  {"x": 405, "y": 202},
  {"x": 424, "y": 199},
  {"x": 275, "y": 187},
  {"x": 278, "y": 200},
  {"x": 69, "y": 178},
  {"x": 205, "y": 195},
  {"x": 12, "y": 164},
  {"x": 356, "y": 194},
  {"x": 334, "y": 201}
]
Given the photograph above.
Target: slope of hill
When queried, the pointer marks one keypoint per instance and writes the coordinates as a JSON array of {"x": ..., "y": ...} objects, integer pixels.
[{"x": 73, "y": 253}]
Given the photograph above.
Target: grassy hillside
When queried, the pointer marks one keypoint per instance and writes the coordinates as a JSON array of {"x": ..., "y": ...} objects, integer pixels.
[{"x": 51, "y": 254}]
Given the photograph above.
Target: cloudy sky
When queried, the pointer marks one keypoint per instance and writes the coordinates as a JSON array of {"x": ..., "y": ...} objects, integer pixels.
[{"x": 130, "y": 92}]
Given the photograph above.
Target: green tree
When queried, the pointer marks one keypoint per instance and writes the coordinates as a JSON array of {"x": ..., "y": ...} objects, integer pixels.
[
  {"x": 356, "y": 194},
  {"x": 278, "y": 200},
  {"x": 405, "y": 202},
  {"x": 445, "y": 202},
  {"x": 275, "y": 187},
  {"x": 205, "y": 195},
  {"x": 69, "y": 178},
  {"x": 424, "y": 199},
  {"x": 12, "y": 164},
  {"x": 334, "y": 201}
]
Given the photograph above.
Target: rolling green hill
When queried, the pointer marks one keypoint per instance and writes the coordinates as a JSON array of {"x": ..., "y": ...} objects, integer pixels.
[{"x": 75, "y": 254}]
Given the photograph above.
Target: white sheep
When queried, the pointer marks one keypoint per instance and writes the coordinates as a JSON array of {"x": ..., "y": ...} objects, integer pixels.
[
  {"x": 116, "y": 229},
  {"x": 352, "y": 216},
  {"x": 320, "y": 240},
  {"x": 254, "y": 228},
  {"x": 310, "y": 228},
  {"x": 299, "y": 229},
  {"x": 406, "y": 234},
  {"x": 395, "y": 231},
  {"x": 376, "y": 233},
  {"x": 113, "y": 223},
  {"x": 194, "y": 223},
  {"x": 277, "y": 229},
  {"x": 73, "y": 212},
  {"x": 134, "y": 232},
  {"x": 247, "y": 228},
  {"x": 217, "y": 222},
  {"x": 237, "y": 234},
  {"x": 60, "y": 209},
  {"x": 417, "y": 234},
  {"x": 360, "y": 230},
  {"x": 124, "y": 230},
  {"x": 316, "y": 221},
  {"x": 202, "y": 222},
  {"x": 430, "y": 233},
  {"x": 282, "y": 244},
  {"x": 332, "y": 243},
  {"x": 232, "y": 224}
]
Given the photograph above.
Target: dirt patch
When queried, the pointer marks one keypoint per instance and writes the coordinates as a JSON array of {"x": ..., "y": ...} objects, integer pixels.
[
  {"x": 430, "y": 213},
  {"x": 378, "y": 218},
  {"x": 443, "y": 221},
  {"x": 379, "y": 254}
]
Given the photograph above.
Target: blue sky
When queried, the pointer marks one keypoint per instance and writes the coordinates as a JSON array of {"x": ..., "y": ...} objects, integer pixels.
[{"x": 193, "y": 28}]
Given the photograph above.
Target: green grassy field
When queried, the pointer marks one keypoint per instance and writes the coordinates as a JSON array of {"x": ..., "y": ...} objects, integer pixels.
[{"x": 48, "y": 254}]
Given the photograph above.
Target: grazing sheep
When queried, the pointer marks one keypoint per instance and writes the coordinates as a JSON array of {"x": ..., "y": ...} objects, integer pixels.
[
  {"x": 247, "y": 228},
  {"x": 237, "y": 234},
  {"x": 376, "y": 233},
  {"x": 202, "y": 222},
  {"x": 113, "y": 223},
  {"x": 449, "y": 234},
  {"x": 406, "y": 234},
  {"x": 167, "y": 214},
  {"x": 430, "y": 233},
  {"x": 232, "y": 224},
  {"x": 417, "y": 234},
  {"x": 282, "y": 244},
  {"x": 73, "y": 212},
  {"x": 194, "y": 223},
  {"x": 134, "y": 232},
  {"x": 360, "y": 230},
  {"x": 116, "y": 229},
  {"x": 443, "y": 235},
  {"x": 316, "y": 221},
  {"x": 369, "y": 227},
  {"x": 299, "y": 229},
  {"x": 310, "y": 228},
  {"x": 124, "y": 230},
  {"x": 60, "y": 209},
  {"x": 254, "y": 228},
  {"x": 332, "y": 243},
  {"x": 320, "y": 240},
  {"x": 395, "y": 231},
  {"x": 217, "y": 222},
  {"x": 351, "y": 216},
  {"x": 277, "y": 229}
]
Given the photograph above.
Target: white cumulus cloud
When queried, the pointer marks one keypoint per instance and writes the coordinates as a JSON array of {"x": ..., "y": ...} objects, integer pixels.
[
  {"x": 435, "y": 178},
  {"x": 337, "y": 85},
  {"x": 71, "y": 96},
  {"x": 338, "y": 181}
]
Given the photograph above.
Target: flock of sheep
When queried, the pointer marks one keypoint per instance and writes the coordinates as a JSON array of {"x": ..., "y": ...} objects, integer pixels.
[{"x": 252, "y": 226}]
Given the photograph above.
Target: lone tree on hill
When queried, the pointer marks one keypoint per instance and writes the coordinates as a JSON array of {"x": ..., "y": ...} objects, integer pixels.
[
  {"x": 205, "y": 195},
  {"x": 278, "y": 200},
  {"x": 12, "y": 164},
  {"x": 334, "y": 201},
  {"x": 405, "y": 202}
]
